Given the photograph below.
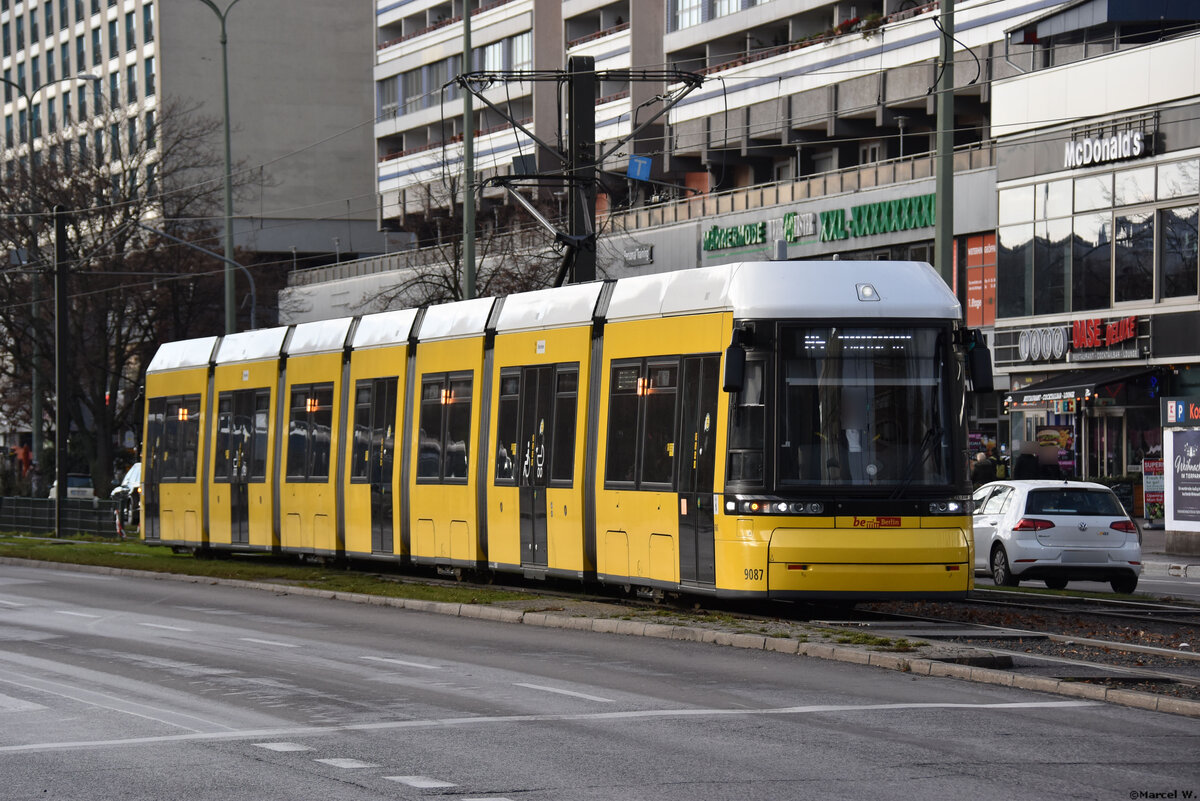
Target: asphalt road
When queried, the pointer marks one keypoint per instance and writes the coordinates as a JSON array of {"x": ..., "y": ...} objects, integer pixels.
[{"x": 127, "y": 688}]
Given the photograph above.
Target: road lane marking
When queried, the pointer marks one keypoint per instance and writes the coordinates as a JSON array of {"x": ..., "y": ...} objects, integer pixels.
[
  {"x": 420, "y": 782},
  {"x": 76, "y": 614},
  {"x": 564, "y": 692},
  {"x": 282, "y": 746},
  {"x": 348, "y": 764},
  {"x": 162, "y": 626},
  {"x": 399, "y": 662},
  {"x": 307, "y": 731},
  {"x": 113, "y": 703},
  {"x": 11, "y": 603},
  {"x": 269, "y": 642}
]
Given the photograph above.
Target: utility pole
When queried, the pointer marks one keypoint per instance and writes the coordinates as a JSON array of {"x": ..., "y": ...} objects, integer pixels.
[
  {"x": 61, "y": 368},
  {"x": 468, "y": 179},
  {"x": 581, "y": 165},
  {"x": 943, "y": 240}
]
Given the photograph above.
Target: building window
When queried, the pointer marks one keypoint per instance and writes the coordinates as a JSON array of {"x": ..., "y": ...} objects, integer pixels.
[
  {"x": 148, "y": 23},
  {"x": 688, "y": 13},
  {"x": 131, "y": 87},
  {"x": 1091, "y": 262},
  {"x": 1133, "y": 256},
  {"x": 131, "y": 126},
  {"x": 130, "y": 30},
  {"x": 97, "y": 50},
  {"x": 389, "y": 97},
  {"x": 114, "y": 41},
  {"x": 522, "y": 51},
  {"x": 65, "y": 53},
  {"x": 493, "y": 57},
  {"x": 151, "y": 84},
  {"x": 1178, "y": 252},
  {"x": 50, "y": 76},
  {"x": 151, "y": 131}
]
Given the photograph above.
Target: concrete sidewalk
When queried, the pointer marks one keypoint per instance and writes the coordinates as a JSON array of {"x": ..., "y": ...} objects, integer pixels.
[{"x": 1157, "y": 562}]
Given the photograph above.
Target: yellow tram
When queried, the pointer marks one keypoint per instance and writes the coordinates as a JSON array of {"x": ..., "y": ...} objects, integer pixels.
[{"x": 763, "y": 429}]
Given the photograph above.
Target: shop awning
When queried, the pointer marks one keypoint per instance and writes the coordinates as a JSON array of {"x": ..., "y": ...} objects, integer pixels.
[{"x": 1073, "y": 385}]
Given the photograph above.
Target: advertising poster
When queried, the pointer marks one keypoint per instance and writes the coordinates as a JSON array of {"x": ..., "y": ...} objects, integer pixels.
[
  {"x": 1153, "y": 486},
  {"x": 1185, "y": 470},
  {"x": 1056, "y": 447}
]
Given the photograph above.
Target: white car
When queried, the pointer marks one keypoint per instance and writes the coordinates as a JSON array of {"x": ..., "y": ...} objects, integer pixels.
[
  {"x": 1055, "y": 531},
  {"x": 79, "y": 487}
]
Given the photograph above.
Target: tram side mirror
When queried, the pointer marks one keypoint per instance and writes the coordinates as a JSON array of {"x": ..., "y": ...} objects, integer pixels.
[
  {"x": 979, "y": 362},
  {"x": 735, "y": 364}
]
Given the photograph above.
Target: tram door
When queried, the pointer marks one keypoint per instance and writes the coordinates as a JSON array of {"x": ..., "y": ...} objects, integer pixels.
[
  {"x": 151, "y": 469},
  {"x": 537, "y": 426},
  {"x": 698, "y": 434},
  {"x": 383, "y": 418},
  {"x": 239, "y": 479}
]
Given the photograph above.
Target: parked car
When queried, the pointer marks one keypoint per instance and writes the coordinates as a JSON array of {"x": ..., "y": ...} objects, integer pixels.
[
  {"x": 79, "y": 485},
  {"x": 129, "y": 494},
  {"x": 1055, "y": 531}
]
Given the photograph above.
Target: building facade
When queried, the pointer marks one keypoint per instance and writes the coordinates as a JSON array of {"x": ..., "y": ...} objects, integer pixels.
[{"x": 299, "y": 126}]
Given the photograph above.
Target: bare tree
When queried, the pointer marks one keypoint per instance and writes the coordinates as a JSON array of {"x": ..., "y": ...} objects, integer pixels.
[
  {"x": 129, "y": 288},
  {"x": 512, "y": 254}
]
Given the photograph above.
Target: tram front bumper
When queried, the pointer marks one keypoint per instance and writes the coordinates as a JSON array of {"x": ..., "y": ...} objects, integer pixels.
[{"x": 892, "y": 562}]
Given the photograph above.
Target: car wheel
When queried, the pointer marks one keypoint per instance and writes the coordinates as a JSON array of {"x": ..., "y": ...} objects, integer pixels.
[
  {"x": 1124, "y": 584},
  {"x": 1001, "y": 574},
  {"x": 1056, "y": 583}
]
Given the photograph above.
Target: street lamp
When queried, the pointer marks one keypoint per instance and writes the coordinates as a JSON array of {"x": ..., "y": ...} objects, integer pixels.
[
  {"x": 35, "y": 278},
  {"x": 230, "y": 319}
]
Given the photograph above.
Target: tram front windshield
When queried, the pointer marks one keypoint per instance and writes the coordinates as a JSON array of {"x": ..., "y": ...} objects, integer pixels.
[{"x": 863, "y": 406}]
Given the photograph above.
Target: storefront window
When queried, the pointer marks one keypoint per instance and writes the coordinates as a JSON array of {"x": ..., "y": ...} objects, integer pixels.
[
  {"x": 1051, "y": 257},
  {"x": 1181, "y": 179},
  {"x": 1134, "y": 186},
  {"x": 1091, "y": 261},
  {"x": 1015, "y": 205},
  {"x": 1052, "y": 199},
  {"x": 1093, "y": 192},
  {"x": 1178, "y": 253},
  {"x": 1014, "y": 272},
  {"x": 1134, "y": 256}
]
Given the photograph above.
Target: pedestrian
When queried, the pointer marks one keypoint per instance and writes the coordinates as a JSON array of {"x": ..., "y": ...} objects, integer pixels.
[{"x": 983, "y": 471}]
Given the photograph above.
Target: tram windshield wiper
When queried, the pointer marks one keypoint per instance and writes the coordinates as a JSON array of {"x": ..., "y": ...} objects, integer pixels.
[{"x": 932, "y": 438}]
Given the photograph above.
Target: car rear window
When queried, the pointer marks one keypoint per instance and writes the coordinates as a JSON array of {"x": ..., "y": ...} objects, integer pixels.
[{"x": 1073, "y": 502}]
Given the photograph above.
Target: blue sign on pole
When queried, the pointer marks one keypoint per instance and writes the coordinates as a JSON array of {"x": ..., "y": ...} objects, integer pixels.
[{"x": 639, "y": 168}]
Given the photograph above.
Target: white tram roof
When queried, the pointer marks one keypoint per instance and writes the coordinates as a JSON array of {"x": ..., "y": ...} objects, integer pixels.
[
  {"x": 182, "y": 355},
  {"x": 570, "y": 305},
  {"x": 249, "y": 346},
  {"x": 319, "y": 336},
  {"x": 463, "y": 318},
  {"x": 384, "y": 328},
  {"x": 788, "y": 289}
]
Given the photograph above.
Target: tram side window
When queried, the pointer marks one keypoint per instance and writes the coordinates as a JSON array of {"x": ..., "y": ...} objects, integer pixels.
[
  {"x": 506, "y": 426},
  {"x": 175, "y": 436},
  {"x": 621, "y": 454},
  {"x": 156, "y": 409},
  {"x": 642, "y": 422},
  {"x": 562, "y": 463},
  {"x": 658, "y": 456},
  {"x": 310, "y": 425},
  {"x": 445, "y": 428},
  {"x": 240, "y": 450},
  {"x": 746, "y": 428},
  {"x": 374, "y": 418}
]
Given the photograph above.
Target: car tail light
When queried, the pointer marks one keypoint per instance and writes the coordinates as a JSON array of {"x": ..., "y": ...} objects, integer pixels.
[
  {"x": 1123, "y": 525},
  {"x": 1032, "y": 524}
]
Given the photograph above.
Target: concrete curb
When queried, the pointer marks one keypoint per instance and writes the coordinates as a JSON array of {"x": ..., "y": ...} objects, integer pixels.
[
  {"x": 837, "y": 653},
  {"x": 1157, "y": 567}
]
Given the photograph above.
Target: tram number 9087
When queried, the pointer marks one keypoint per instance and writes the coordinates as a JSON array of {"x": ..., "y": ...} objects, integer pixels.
[{"x": 754, "y": 574}]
